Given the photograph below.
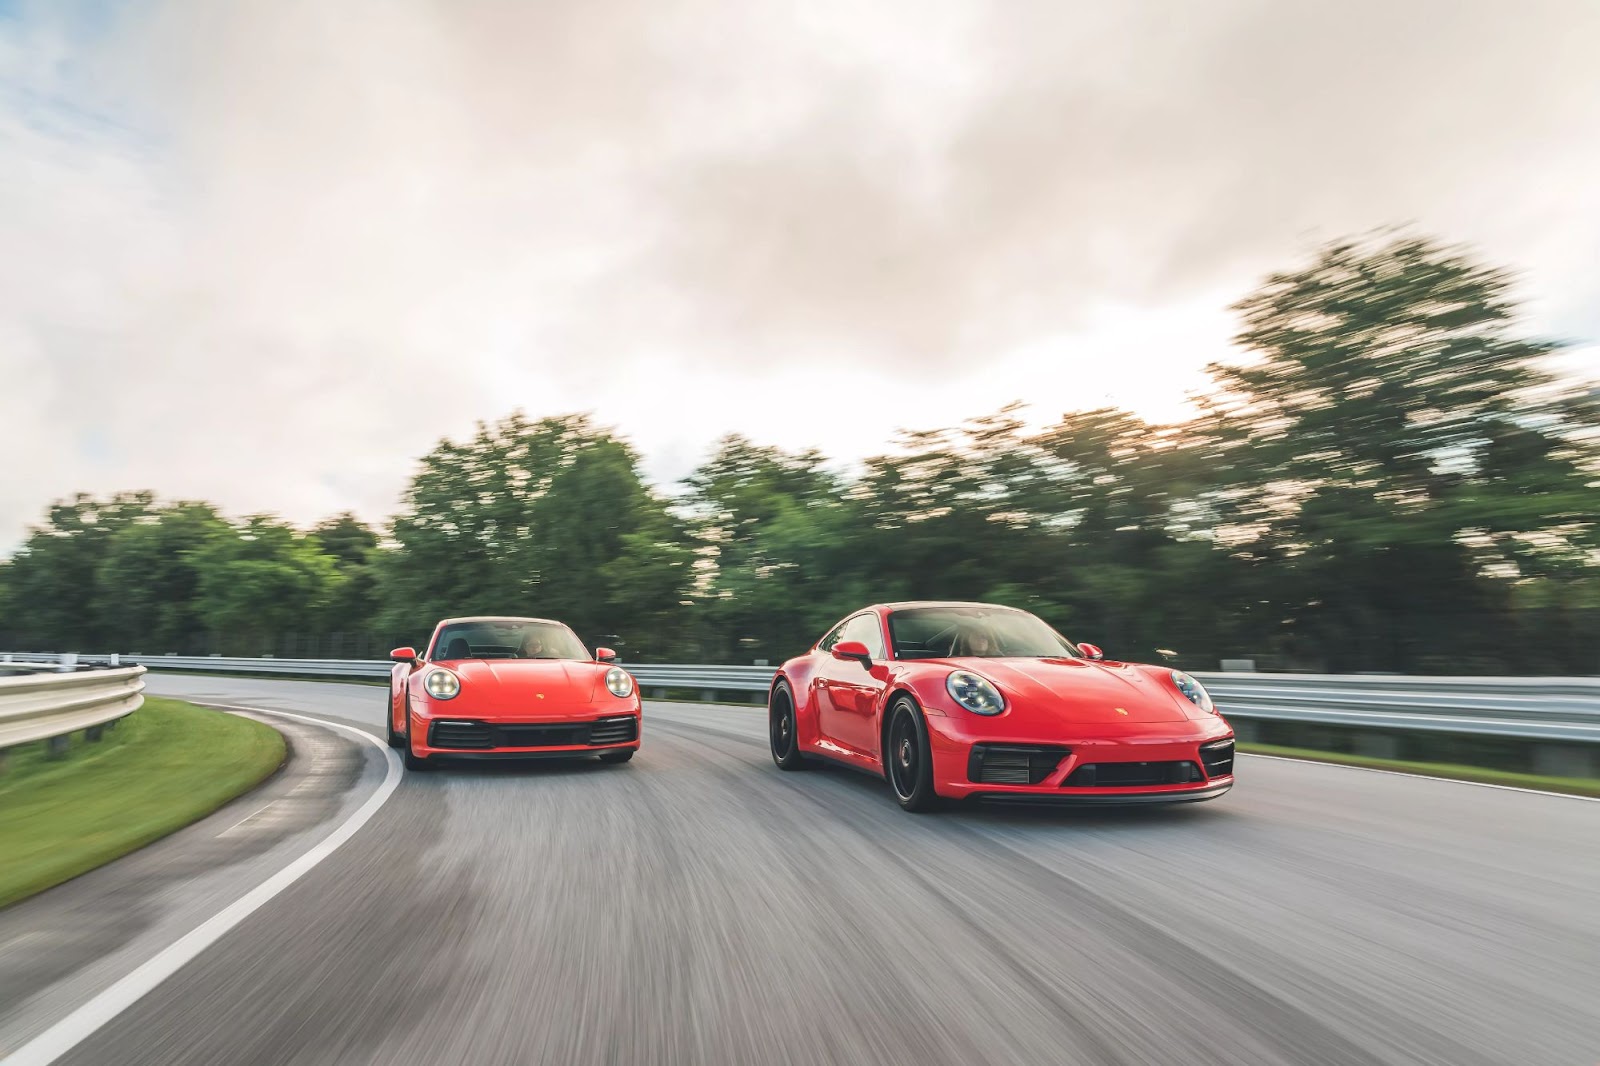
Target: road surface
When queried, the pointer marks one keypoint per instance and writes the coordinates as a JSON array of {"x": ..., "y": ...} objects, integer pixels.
[{"x": 698, "y": 906}]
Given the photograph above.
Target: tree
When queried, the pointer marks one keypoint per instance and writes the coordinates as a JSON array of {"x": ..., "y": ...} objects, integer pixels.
[
  {"x": 148, "y": 581},
  {"x": 548, "y": 518},
  {"x": 263, "y": 581},
  {"x": 1393, "y": 443},
  {"x": 52, "y": 578},
  {"x": 352, "y": 546}
]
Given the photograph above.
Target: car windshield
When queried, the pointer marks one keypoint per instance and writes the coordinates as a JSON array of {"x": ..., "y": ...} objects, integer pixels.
[
  {"x": 507, "y": 640},
  {"x": 982, "y": 632}
]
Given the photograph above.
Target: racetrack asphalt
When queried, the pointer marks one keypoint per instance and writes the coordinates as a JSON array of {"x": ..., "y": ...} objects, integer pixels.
[{"x": 699, "y": 906}]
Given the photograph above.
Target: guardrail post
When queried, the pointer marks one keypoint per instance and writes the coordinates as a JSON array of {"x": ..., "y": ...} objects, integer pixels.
[
  {"x": 708, "y": 696},
  {"x": 1563, "y": 760},
  {"x": 93, "y": 733},
  {"x": 69, "y": 661},
  {"x": 56, "y": 747},
  {"x": 1378, "y": 745}
]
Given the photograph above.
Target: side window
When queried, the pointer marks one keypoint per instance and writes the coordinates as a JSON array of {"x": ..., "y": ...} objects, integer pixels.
[
  {"x": 834, "y": 637},
  {"x": 865, "y": 628}
]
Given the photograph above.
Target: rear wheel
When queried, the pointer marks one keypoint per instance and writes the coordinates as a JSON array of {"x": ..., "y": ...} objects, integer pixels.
[
  {"x": 782, "y": 731},
  {"x": 907, "y": 760},
  {"x": 617, "y": 756}
]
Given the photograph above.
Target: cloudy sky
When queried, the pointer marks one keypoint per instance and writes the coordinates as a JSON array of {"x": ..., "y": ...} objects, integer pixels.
[{"x": 267, "y": 253}]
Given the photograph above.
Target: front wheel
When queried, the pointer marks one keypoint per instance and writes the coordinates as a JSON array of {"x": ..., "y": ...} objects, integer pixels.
[
  {"x": 907, "y": 759},
  {"x": 781, "y": 729}
]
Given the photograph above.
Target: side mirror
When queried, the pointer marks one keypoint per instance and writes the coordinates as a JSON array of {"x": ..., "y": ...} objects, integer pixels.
[
  {"x": 1091, "y": 651},
  {"x": 604, "y": 655},
  {"x": 404, "y": 655},
  {"x": 852, "y": 651}
]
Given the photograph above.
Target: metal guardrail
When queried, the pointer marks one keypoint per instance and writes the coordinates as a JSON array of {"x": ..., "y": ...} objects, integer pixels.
[
  {"x": 42, "y": 706},
  {"x": 1556, "y": 709}
]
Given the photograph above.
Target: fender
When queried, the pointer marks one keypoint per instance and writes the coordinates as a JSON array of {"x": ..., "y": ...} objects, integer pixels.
[{"x": 808, "y": 731}]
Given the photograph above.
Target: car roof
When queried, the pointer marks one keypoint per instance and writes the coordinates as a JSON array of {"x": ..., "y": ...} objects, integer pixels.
[
  {"x": 499, "y": 618},
  {"x": 908, "y": 604}
]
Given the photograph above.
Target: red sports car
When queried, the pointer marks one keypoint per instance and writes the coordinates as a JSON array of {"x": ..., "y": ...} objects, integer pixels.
[
  {"x": 973, "y": 700},
  {"x": 510, "y": 688}
]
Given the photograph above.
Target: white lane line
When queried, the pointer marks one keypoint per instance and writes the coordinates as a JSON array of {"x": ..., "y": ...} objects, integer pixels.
[
  {"x": 82, "y": 1023},
  {"x": 246, "y": 818},
  {"x": 1402, "y": 773}
]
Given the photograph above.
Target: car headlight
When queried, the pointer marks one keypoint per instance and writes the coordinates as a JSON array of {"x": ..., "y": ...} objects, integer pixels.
[
  {"x": 974, "y": 693},
  {"x": 442, "y": 684},
  {"x": 618, "y": 681},
  {"x": 1194, "y": 690}
]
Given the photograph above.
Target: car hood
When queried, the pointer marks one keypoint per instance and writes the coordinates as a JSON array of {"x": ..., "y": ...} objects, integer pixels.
[
  {"x": 1080, "y": 690},
  {"x": 571, "y": 680}
]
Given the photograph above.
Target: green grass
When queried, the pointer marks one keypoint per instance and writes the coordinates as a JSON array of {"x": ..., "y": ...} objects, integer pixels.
[
  {"x": 164, "y": 766},
  {"x": 1577, "y": 786}
]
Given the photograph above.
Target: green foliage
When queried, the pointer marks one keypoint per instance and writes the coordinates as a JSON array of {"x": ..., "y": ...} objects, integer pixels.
[
  {"x": 148, "y": 583},
  {"x": 548, "y": 518},
  {"x": 262, "y": 578},
  {"x": 1388, "y": 481}
]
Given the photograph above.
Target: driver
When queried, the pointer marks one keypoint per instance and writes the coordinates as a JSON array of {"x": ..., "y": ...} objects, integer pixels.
[
  {"x": 533, "y": 645},
  {"x": 978, "y": 642}
]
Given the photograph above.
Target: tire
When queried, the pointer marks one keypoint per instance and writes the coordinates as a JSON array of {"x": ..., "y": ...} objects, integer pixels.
[
  {"x": 782, "y": 730},
  {"x": 617, "y": 756},
  {"x": 907, "y": 760},
  {"x": 395, "y": 740}
]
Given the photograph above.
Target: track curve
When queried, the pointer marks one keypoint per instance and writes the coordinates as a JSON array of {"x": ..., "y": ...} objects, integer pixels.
[{"x": 699, "y": 906}]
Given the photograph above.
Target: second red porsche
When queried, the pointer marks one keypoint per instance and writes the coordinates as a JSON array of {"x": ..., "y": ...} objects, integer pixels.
[
  {"x": 973, "y": 700},
  {"x": 510, "y": 688}
]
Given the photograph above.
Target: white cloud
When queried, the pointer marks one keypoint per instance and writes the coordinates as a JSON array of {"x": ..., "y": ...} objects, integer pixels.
[{"x": 267, "y": 253}]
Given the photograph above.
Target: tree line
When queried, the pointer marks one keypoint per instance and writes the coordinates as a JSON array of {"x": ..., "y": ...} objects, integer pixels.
[{"x": 1387, "y": 480}]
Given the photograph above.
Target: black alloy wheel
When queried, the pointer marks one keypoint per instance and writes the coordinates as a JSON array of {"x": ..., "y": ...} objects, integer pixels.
[
  {"x": 781, "y": 729},
  {"x": 907, "y": 760}
]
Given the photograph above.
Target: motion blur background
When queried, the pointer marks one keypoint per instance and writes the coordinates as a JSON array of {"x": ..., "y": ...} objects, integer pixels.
[{"x": 1301, "y": 301}]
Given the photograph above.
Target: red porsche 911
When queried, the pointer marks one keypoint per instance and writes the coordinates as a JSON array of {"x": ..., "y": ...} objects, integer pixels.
[
  {"x": 972, "y": 700},
  {"x": 510, "y": 688}
]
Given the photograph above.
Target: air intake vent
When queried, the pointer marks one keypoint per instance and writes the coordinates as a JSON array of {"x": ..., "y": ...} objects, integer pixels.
[
  {"x": 1133, "y": 774},
  {"x": 460, "y": 735},
  {"x": 615, "y": 730},
  {"x": 1013, "y": 764},
  {"x": 1218, "y": 757}
]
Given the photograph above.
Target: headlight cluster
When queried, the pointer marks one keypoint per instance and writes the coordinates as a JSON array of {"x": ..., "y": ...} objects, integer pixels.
[
  {"x": 442, "y": 684},
  {"x": 974, "y": 693},
  {"x": 1195, "y": 691},
  {"x": 618, "y": 681}
]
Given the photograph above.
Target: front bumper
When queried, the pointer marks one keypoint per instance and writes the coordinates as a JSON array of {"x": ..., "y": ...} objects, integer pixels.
[
  {"x": 469, "y": 737},
  {"x": 1105, "y": 797},
  {"x": 1142, "y": 764}
]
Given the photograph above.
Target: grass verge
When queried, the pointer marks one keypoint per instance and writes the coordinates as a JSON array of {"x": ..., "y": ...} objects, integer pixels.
[
  {"x": 164, "y": 766},
  {"x": 1577, "y": 786}
]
